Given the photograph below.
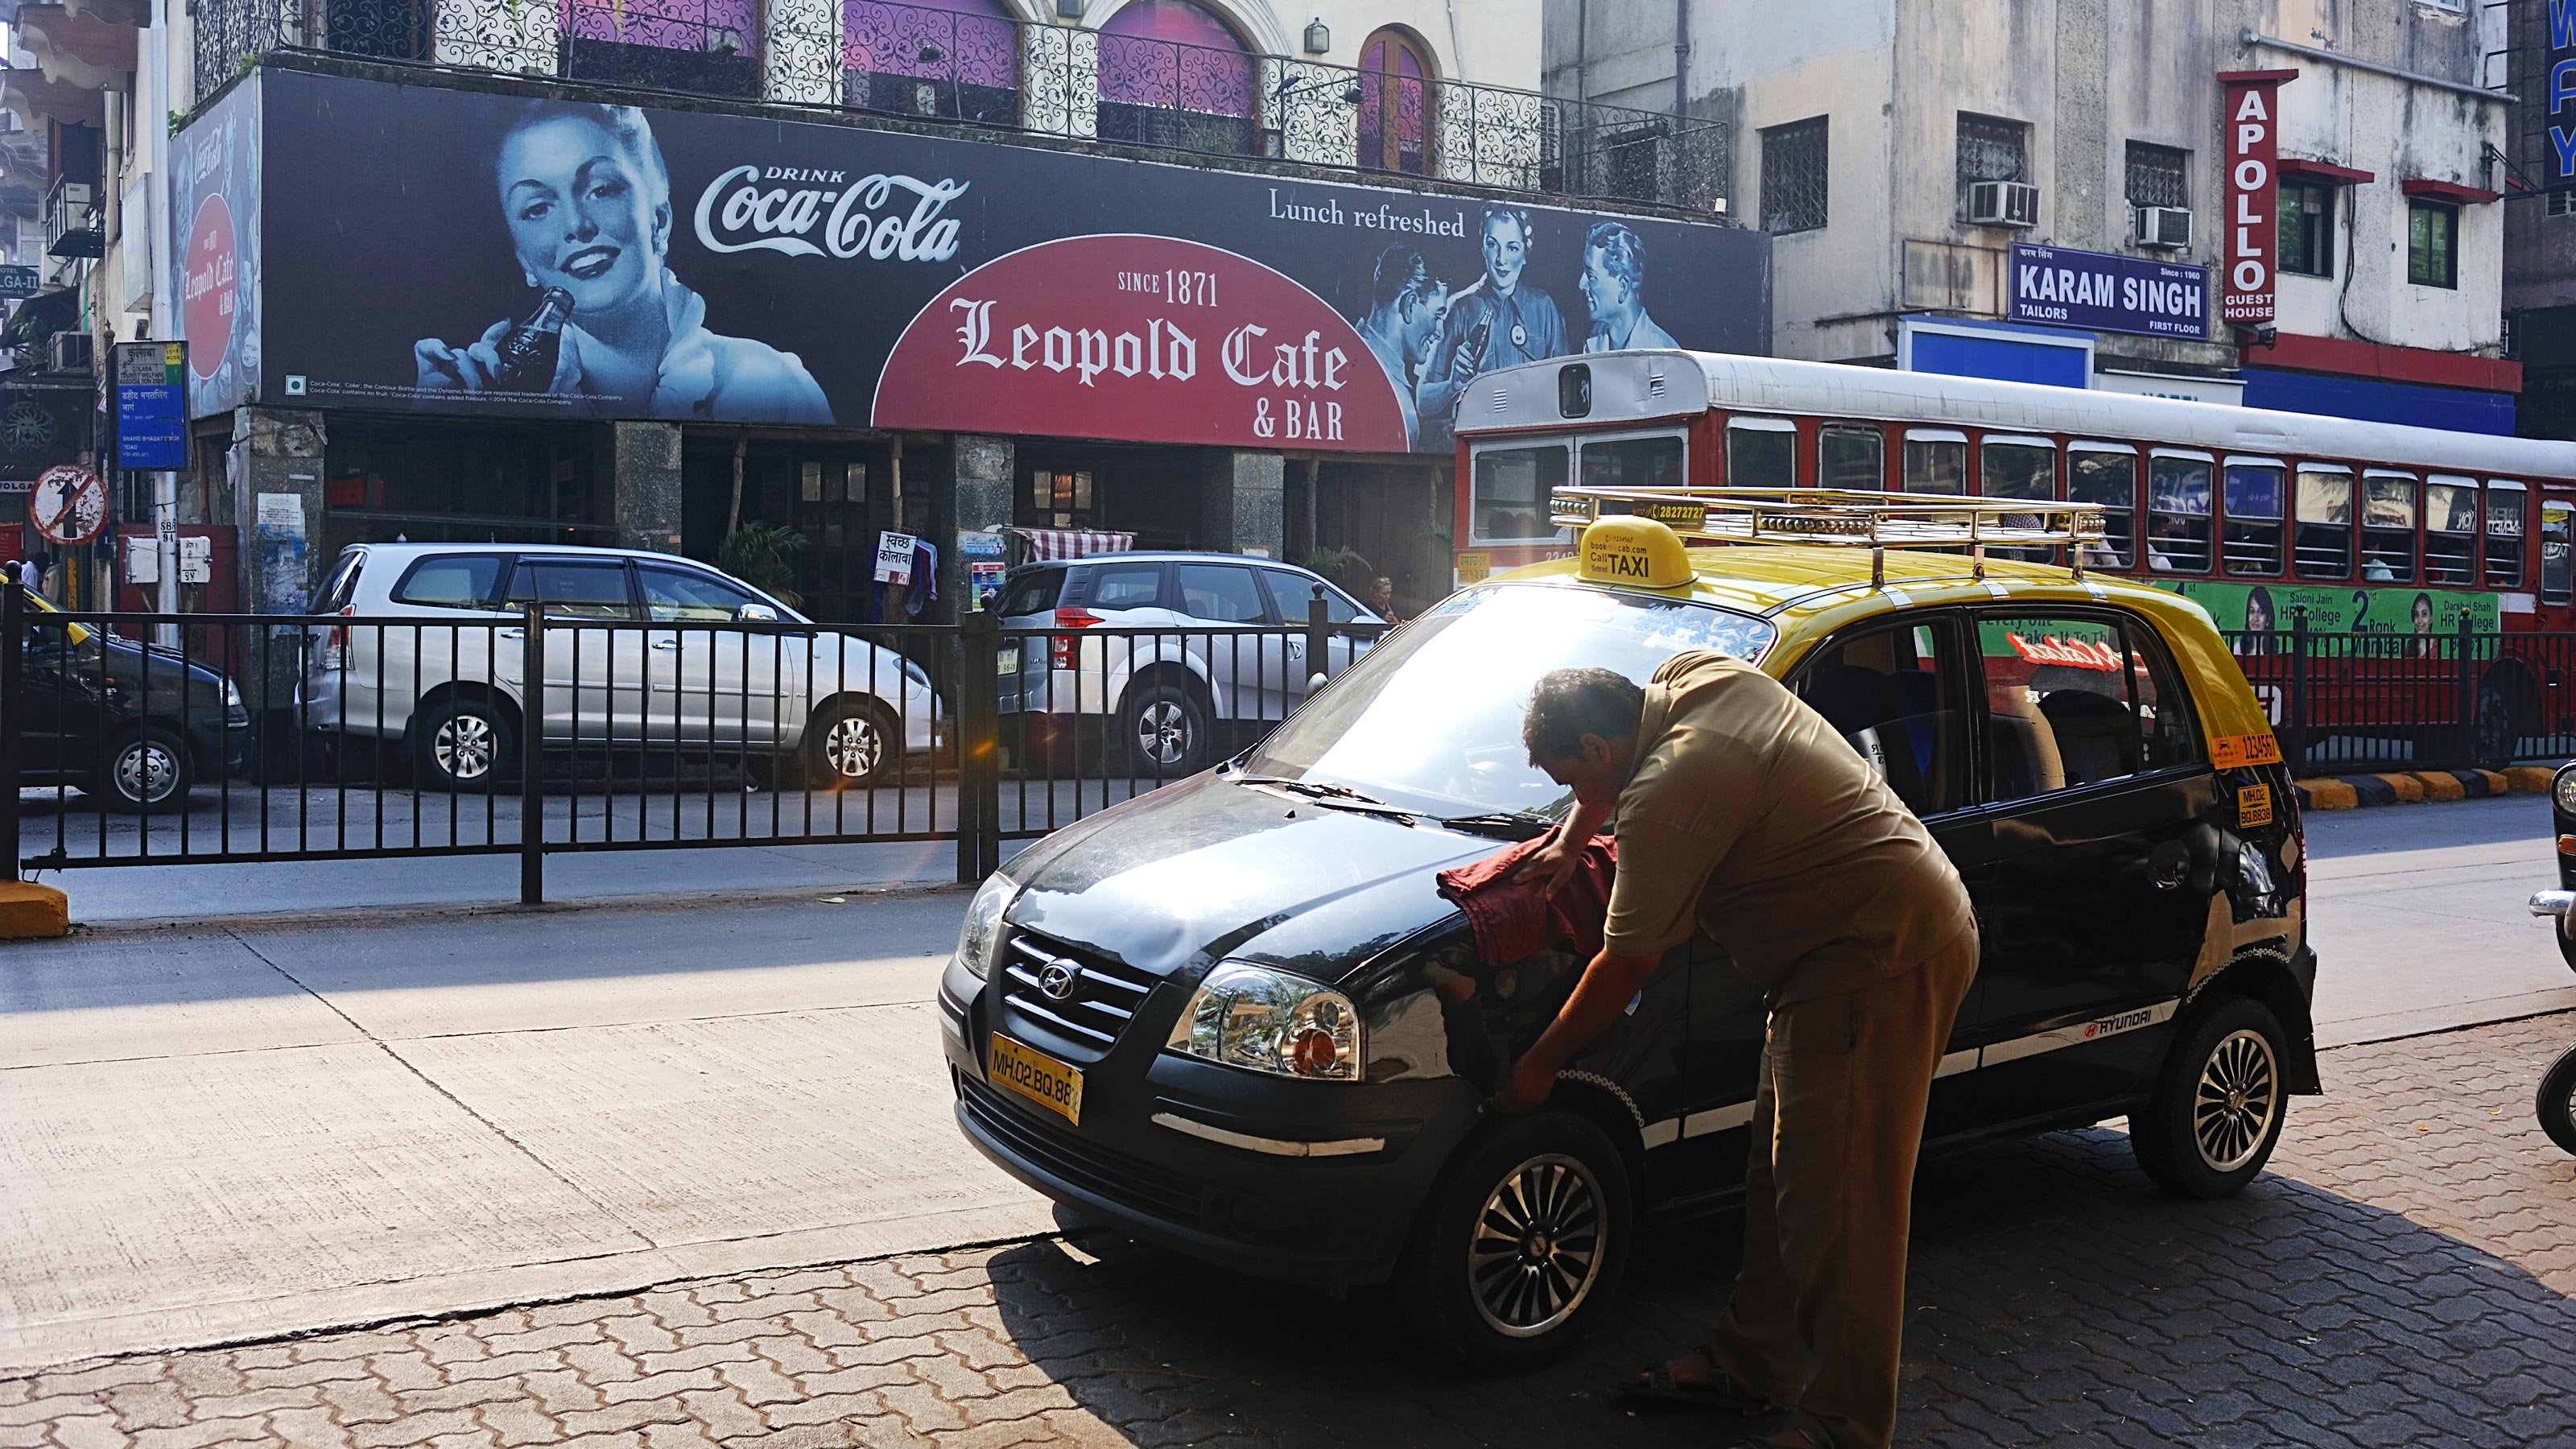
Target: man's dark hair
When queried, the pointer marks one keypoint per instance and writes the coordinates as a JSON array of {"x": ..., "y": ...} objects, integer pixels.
[
  {"x": 1571, "y": 703},
  {"x": 1402, "y": 276}
]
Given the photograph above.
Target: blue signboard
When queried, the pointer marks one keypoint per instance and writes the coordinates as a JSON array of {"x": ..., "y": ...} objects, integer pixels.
[
  {"x": 151, "y": 405},
  {"x": 2100, "y": 292},
  {"x": 2558, "y": 166}
]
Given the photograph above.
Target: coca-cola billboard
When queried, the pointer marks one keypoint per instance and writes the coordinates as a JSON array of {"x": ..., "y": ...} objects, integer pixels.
[{"x": 732, "y": 268}]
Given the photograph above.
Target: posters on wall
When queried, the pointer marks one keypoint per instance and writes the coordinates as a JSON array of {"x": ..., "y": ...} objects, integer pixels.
[{"x": 465, "y": 251}]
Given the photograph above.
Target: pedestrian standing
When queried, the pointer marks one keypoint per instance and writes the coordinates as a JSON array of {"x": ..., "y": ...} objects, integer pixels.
[
  {"x": 1742, "y": 813},
  {"x": 1382, "y": 599}
]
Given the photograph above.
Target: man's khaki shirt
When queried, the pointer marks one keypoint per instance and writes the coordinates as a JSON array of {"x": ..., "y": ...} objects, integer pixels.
[{"x": 1749, "y": 818}]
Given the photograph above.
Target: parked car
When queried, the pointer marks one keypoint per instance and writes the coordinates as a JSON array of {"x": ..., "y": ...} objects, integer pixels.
[
  {"x": 637, "y": 651},
  {"x": 1163, "y": 699},
  {"x": 2555, "y": 1104},
  {"x": 1236, "y": 1016},
  {"x": 135, "y": 726}
]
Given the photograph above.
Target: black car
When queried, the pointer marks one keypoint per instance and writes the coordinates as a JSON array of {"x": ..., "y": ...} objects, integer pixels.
[
  {"x": 133, "y": 726},
  {"x": 1237, "y": 1017},
  {"x": 2556, "y": 1102}
]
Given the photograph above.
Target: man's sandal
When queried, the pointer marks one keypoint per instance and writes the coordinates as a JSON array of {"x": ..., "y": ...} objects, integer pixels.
[{"x": 1716, "y": 1391}]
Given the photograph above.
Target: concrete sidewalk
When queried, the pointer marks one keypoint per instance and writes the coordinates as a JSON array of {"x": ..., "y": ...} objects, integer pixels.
[{"x": 213, "y": 1136}]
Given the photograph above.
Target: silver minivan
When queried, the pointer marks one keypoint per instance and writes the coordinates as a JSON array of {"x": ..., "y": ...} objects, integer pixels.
[
  {"x": 1235, "y": 656},
  {"x": 636, "y": 652}
]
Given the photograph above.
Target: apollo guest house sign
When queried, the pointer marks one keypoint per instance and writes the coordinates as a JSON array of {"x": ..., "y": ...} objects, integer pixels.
[{"x": 2253, "y": 131}]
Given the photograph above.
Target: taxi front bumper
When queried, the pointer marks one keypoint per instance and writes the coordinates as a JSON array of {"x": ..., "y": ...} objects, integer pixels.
[{"x": 1217, "y": 1163}]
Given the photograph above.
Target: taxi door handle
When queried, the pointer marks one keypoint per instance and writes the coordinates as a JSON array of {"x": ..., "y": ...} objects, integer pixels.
[{"x": 2170, "y": 865}]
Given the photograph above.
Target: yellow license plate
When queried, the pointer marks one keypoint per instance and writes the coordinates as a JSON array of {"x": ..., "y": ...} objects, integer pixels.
[{"x": 1035, "y": 1075}]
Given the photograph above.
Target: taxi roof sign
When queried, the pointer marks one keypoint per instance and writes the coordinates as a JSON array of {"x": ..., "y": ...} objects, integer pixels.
[{"x": 1637, "y": 551}]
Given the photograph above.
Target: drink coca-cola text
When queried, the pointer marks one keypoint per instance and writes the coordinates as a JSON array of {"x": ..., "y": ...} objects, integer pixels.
[{"x": 780, "y": 209}]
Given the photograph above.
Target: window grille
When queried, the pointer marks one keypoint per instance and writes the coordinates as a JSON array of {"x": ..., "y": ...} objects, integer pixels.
[
  {"x": 2158, "y": 175},
  {"x": 1990, "y": 150},
  {"x": 1793, "y": 176}
]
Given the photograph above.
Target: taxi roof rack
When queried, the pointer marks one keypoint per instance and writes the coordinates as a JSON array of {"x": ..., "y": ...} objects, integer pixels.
[{"x": 1845, "y": 518}]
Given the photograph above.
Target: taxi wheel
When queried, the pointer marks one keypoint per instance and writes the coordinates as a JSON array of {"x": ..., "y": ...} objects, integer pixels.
[
  {"x": 2218, "y": 1104},
  {"x": 1521, "y": 1246}
]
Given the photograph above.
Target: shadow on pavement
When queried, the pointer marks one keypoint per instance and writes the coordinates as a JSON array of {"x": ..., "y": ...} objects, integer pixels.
[{"x": 2055, "y": 1298}]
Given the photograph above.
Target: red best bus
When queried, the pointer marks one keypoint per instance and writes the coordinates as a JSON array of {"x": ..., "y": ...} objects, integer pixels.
[{"x": 2425, "y": 569}]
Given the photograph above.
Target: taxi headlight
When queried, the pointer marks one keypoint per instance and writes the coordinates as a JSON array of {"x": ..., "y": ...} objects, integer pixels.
[
  {"x": 981, "y": 937},
  {"x": 1252, "y": 1016},
  {"x": 2562, "y": 792}
]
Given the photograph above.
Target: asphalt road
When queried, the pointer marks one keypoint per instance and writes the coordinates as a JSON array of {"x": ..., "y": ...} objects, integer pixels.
[{"x": 218, "y": 1133}]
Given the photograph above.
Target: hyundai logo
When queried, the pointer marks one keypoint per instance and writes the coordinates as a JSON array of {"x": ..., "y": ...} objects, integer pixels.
[{"x": 1058, "y": 978}]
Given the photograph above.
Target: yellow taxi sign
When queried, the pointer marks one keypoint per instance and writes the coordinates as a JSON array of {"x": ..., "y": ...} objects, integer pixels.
[{"x": 1638, "y": 552}]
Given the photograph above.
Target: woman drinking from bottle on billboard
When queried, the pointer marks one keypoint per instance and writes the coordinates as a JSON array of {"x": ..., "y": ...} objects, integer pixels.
[
  {"x": 587, "y": 198},
  {"x": 1498, "y": 322}
]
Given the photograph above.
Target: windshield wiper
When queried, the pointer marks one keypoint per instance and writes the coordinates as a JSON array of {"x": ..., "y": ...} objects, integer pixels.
[
  {"x": 1320, "y": 789},
  {"x": 1502, "y": 824}
]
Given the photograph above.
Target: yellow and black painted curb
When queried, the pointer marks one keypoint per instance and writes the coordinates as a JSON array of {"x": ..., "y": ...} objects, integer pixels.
[{"x": 2416, "y": 787}]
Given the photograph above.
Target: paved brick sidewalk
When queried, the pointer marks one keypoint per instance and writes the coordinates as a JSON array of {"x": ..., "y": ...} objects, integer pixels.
[{"x": 2403, "y": 1277}]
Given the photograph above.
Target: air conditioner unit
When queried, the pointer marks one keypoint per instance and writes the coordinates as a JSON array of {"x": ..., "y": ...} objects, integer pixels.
[
  {"x": 2164, "y": 228},
  {"x": 2003, "y": 203},
  {"x": 68, "y": 352}
]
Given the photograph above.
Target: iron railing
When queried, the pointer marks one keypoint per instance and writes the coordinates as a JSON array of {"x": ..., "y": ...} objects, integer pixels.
[
  {"x": 2465, "y": 699},
  {"x": 921, "y": 63},
  {"x": 142, "y": 739}
]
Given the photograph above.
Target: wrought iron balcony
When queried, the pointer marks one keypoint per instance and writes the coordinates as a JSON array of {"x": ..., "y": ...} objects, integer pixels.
[{"x": 927, "y": 64}]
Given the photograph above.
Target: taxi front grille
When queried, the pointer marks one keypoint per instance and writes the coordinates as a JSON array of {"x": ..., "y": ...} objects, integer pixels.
[
  {"x": 1089, "y": 998},
  {"x": 1079, "y": 1162}
]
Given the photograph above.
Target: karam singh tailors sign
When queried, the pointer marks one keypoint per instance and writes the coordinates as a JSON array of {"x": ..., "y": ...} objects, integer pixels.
[{"x": 2101, "y": 292}]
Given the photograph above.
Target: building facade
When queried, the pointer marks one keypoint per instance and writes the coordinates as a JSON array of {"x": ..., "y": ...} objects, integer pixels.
[
  {"x": 1939, "y": 175},
  {"x": 775, "y": 278}
]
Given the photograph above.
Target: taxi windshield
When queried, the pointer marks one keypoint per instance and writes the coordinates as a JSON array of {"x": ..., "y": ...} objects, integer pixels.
[{"x": 1430, "y": 720}]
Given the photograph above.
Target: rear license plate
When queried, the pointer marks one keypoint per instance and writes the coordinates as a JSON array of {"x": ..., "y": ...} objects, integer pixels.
[
  {"x": 1007, "y": 660},
  {"x": 1039, "y": 1077}
]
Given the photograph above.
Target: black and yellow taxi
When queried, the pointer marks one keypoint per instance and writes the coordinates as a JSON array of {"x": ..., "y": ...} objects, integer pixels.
[{"x": 1237, "y": 1016}]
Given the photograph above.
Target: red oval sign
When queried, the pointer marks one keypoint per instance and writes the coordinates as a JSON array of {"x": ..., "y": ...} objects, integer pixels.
[
  {"x": 207, "y": 299},
  {"x": 1179, "y": 341}
]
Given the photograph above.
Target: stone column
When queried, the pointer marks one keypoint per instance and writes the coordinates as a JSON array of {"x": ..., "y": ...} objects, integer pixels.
[
  {"x": 1243, "y": 505},
  {"x": 975, "y": 497},
  {"x": 644, "y": 485}
]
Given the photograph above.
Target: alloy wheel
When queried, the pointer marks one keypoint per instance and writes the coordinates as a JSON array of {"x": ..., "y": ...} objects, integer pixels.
[
  {"x": 465, "y": 747},
  {"x": 2238, "y": 1096},
  {"x": 1163, "y": 732},
  {"x": 146, "y": 771},
  {"x": 852, "y": 746},
  {"x": 1536, "y": 1251}
]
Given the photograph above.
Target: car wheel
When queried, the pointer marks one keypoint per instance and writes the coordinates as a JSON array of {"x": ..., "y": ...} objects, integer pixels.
[
  {"x": 854, "y": 742},
  {"x": 2557, "y": 1101},
  {"x": 2218, "y": 1105},
  {"x": 1521, "y": 1245},
  {"x": 463, "y": 744},
  {"x": 1167, "y": 731},
  {"x": 2495, "y": 734},
  {"x": 146, "y": 770}
]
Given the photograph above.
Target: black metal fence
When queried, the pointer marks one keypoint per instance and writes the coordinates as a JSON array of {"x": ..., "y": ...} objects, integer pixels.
[
  {"x": 2467, "y": 698},
  {"x": 926, "y": 63},
  {"x": 142, "y": 739}
]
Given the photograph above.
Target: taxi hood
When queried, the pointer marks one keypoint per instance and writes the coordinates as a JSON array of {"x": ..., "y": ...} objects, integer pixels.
[{"x": 1209, "y": 869}]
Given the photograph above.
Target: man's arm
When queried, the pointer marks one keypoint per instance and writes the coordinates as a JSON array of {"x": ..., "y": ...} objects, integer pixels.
[{"x": 1609, "y": 983}]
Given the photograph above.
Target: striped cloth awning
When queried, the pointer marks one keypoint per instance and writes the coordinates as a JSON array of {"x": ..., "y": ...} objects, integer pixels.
[{"x": 1036, "y": 544}]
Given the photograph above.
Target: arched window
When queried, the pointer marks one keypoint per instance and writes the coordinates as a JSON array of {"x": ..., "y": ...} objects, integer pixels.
[
  {"x": 1396, "y": 98},
  {"x": 704, "y": 47},
  {"x": 958, "y": 60},
  {"x": 1172, "y": 74}
]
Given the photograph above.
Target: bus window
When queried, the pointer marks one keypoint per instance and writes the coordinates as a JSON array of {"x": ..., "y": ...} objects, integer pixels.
[
  {"x": 2505, "y": 516},
  {"x": 1936, "y": 461},
  {"x": 2107, "y": 478},
  {"x": 2557, "y": 566},
  {"x": 2251, "y": 545},
  {"x": 2178, "y": 513},
  {"x": 2387, "y": 528},
  {"x": 2451, "y": 532},
  {"x": 1633, "y": 463},
  {"x": 2018, "y": 468},
  {"x": 2324, "y": 548},
  {"x": 1852, "y": 458},
  {"x": 1510, "y": 500},
  {"x": 1761, "y": 453}
]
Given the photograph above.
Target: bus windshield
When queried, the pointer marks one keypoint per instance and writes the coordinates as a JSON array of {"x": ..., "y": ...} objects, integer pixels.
[{"x": 1430, "y": 720}]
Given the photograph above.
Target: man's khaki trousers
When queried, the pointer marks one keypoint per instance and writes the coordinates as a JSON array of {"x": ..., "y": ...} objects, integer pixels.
[{"x": 1819, "y": 1306}]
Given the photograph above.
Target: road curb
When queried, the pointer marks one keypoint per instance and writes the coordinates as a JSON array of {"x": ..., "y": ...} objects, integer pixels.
[
  {"x": 382, "y": 915},
  {"x": 32, "y": 912},
  {"x": 2416, "y": 787}
]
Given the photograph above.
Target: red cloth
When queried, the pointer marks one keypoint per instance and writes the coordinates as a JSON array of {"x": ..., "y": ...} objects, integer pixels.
[{"x": 1514, "y": 921}]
